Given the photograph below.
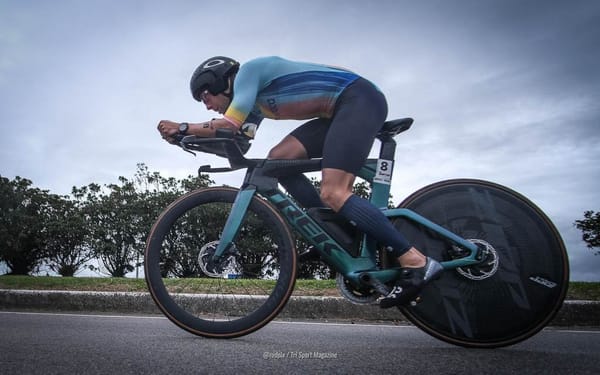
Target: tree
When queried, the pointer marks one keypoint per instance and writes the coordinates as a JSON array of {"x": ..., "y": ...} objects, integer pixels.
[
  {"x": 23, "y": 217},
  {"x": 66, "y": 247},
  {"x": 113, "y": 215},
  {"x": 590, "y": 226},
  {"x": 120, "y": 216}
]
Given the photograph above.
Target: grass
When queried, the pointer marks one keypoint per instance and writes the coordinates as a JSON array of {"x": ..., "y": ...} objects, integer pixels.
[
  {"x": 99, "y": 284},
  {"x": 115, "y": 284},
  {"x": 577, "y": 290},
  {"x": 584, "y": 291}
]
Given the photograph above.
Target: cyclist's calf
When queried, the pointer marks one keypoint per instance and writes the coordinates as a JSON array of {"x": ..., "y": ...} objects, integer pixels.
[{"x": 336, "y": 187}]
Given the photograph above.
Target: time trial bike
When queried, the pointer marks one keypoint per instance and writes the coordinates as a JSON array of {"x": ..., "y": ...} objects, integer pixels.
[{"x": 221, "y": 262}]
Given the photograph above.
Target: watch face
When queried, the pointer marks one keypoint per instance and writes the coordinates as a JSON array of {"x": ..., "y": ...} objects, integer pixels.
[{"x": 183, "y": 127}]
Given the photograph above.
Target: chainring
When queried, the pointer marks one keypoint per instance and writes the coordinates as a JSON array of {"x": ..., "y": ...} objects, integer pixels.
[{"x": 359, "y": 297}]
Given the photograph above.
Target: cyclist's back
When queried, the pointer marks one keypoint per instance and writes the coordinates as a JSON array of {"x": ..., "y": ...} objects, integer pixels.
[{"x": 282, "y": 89}]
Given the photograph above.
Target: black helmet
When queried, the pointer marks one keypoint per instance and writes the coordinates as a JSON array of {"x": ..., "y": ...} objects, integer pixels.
[{"x": 212, "y": 75}]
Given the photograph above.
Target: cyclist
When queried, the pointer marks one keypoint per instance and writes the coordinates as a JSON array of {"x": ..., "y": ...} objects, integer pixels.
[{"x": 346, "y": 112}]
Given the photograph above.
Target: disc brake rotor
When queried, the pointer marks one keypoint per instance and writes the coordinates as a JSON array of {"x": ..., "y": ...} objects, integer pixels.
[
  {"x": 226, "y": 267},
  {"x": 488, "y": 265}
]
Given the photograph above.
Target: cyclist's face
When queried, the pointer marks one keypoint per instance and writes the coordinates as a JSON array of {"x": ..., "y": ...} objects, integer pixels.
[{"x": 218, "y": 103}]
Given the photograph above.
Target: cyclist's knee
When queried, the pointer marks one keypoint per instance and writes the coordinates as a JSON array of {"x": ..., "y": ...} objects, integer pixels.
[
  {"x": 336, "y": 187},
  {"x": 334, "y": 198}
]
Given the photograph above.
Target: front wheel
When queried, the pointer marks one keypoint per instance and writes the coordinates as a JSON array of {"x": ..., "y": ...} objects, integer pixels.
[
  {"x": 234, "y": 296},
  {"x": 517, "y": 288}
]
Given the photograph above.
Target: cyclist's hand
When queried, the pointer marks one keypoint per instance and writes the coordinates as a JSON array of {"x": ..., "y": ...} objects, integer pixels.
[{"x": 168, "y": 130}]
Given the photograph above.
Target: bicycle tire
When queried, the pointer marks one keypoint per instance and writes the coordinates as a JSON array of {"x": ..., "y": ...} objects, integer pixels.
[
  {"x": 263, "y": 265},
  {"x": 507, "y": 305}
]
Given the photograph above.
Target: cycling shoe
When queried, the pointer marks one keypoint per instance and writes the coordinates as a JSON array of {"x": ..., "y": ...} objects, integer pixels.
[{"x": 410, "y": 284}]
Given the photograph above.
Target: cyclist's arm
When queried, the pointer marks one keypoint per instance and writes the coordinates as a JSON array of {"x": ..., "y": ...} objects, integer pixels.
[
  {"x": 208, "y": 128},
  {"x": 169, "y": 129}
]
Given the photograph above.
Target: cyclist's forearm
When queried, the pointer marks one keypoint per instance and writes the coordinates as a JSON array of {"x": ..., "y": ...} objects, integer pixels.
[{"x": 208, "y": 128}]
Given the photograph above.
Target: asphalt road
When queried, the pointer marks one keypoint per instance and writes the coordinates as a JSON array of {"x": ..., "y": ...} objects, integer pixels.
[{"x": 47, "y": 343}]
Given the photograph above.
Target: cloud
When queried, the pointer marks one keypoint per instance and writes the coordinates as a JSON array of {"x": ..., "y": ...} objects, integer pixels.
[{"x": 505, "y": 91}]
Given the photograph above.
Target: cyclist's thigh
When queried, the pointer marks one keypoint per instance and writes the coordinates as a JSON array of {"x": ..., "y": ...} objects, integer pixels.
[
  {"x": 312, "y": 136},
  {"x": 360, "y": 114},
  {"x": 289, "y": 148}
]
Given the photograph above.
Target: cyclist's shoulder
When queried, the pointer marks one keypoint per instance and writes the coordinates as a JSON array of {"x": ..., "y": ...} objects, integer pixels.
[
  {"x": 260, "y": 63},
  {"x": 282, "y": 65},
  {"x": 261, "y": 71},
  {"x": 257, "y": 70},
  {"x": 272, "y": 67}
]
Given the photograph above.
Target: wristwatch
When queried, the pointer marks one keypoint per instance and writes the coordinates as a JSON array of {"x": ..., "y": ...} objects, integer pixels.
[{"x": 183, "y": 128}]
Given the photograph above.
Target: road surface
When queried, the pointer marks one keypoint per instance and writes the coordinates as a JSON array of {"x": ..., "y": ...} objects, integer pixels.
[{"x": 47, "y": 343}]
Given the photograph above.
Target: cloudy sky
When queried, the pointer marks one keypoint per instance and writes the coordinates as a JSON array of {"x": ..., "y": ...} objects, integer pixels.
[{"x": 507, "y": 91}]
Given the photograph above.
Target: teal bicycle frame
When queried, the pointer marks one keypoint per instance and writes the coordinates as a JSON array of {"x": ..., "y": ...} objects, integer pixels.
[{"x": 378, "y": 173}]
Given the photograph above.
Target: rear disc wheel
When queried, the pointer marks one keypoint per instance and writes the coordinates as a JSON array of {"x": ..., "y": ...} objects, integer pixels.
[{"x": 517, "y": 288}]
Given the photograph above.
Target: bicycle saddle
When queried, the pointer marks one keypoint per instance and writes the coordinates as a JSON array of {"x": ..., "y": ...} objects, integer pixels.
[{"x": 392, "y": 128}]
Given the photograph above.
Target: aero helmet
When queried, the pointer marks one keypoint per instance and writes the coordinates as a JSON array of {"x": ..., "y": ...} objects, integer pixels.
[{"x": 212, "y": 75}]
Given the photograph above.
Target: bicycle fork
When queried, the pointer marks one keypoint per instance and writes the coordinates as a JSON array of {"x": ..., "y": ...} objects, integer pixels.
[{"x": 234, "y": 221}]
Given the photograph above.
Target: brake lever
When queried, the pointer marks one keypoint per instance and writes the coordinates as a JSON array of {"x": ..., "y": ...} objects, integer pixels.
[
  {"x": 181, "y": 138},
  {"x": 186, "y": 149}
]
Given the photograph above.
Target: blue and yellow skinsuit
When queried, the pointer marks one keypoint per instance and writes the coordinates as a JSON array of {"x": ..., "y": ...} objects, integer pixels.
[{"x": 276, "y": 88}]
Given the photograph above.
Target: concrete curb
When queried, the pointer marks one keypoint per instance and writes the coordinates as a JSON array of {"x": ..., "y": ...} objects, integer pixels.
[{"x": 573, "y": 313}]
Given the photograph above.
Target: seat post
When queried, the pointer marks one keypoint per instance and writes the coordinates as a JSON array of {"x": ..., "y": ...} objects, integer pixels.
[
  {"x": 380, "y": 185},
  {"x": 387, "y": 151}
]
